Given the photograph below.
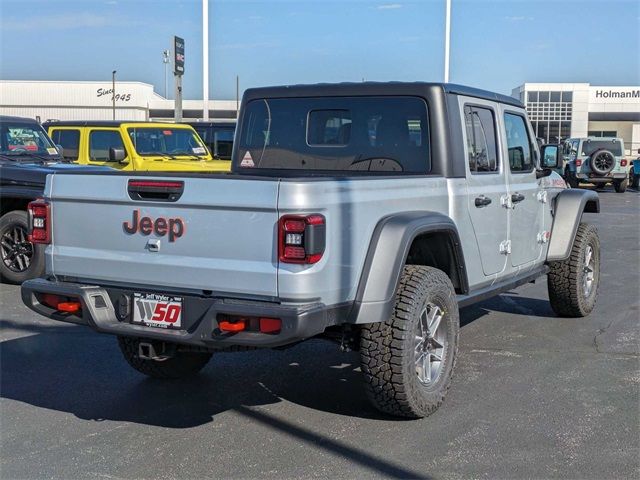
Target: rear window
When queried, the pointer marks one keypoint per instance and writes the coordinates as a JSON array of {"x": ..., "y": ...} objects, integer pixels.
[
  {"x": 590, "y": 146},
  {"x": 354, "y": 134}
]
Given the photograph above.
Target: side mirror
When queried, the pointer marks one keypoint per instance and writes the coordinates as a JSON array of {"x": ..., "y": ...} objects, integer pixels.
[
  {"x": 551, "y": 156},
  {"x": 117, "y": 155}
]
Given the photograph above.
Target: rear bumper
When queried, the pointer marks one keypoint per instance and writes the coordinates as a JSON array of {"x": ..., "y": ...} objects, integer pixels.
[
  {"x": 592, "y": 178},
  {"x": 102, "y": 311}
]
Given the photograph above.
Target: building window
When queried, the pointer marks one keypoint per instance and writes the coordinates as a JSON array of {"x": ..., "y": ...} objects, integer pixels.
[
  {"x": 532, "y": 96},
  {"x": 555, "y": 96},
  {"x": 602, "y": 133},
  {"x": 567, "y": 97}
]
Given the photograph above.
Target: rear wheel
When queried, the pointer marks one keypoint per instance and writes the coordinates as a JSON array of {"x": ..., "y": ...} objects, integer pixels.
[
  {"x": 620, "y": 185},
  {"x": 20, "y": 259},
  {"x": 180, "y": 364},
  {"x": 573, "y": 283},
  {"x": 408, "y": 360}
]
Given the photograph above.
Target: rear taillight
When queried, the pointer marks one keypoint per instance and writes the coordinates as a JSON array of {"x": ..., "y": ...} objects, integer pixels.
[
  {"x": 623, "y": 162},
  {"x": 39, "y": 222},
  {"x": 301, "y": 239},
  {"x": 578, "y": 162}
]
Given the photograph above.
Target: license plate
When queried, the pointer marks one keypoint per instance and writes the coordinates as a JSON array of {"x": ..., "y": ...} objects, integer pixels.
[{"x": 157, "y": 310}]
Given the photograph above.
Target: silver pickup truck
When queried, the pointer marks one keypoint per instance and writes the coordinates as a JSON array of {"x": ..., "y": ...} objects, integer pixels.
[{"x": 366, "y": 213}]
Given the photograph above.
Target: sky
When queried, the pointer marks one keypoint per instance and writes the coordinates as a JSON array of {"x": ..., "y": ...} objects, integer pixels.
[{"x": 495, "y": 45}]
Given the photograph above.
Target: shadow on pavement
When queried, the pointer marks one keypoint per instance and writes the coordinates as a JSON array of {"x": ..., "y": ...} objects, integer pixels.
[{"x": 72, "y": 369}]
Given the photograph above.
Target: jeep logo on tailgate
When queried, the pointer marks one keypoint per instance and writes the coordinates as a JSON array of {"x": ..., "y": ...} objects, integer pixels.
[{"x": 174, "y": 227}]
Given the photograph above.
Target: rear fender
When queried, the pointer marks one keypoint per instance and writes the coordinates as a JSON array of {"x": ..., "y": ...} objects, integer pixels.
[{"x": 387, "y": 255}]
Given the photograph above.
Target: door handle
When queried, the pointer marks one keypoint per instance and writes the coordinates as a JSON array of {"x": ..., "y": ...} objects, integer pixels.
[
  {"x": 517, "y": 197},
  {"x": 482, "y": 201}
]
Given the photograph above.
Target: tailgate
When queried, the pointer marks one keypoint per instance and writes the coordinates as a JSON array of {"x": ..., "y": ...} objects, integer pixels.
[{"x": 220, "y": 235}]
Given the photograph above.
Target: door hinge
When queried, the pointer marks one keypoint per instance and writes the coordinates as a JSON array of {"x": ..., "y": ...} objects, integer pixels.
[
  {"x": 543, "y": 237},
  {"x": 505, "y": 247},
  {"x": 542, "y": 196},
  {"x": 505, "y": 201}
]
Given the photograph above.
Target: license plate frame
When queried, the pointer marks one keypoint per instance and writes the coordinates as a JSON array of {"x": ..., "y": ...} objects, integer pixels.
[{"x": 157, "y": 310}]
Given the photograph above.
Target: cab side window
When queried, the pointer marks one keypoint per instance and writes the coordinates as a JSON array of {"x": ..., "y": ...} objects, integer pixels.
[
  {"x": 100, "y": 141},
  {"x": 69, "y": 140},
  {"x": 518, "y": 143},
  {"x": 481, "y": 139}
]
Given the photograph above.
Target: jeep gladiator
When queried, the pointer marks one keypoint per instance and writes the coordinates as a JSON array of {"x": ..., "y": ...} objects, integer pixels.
[{"x": 365, "y": 213}]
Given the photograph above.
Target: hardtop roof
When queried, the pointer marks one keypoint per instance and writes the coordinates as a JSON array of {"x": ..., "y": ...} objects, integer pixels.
[{"x": 374, "y": 88}]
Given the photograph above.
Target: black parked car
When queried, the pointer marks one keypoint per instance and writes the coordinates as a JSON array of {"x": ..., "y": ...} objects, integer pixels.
[
  {"x": 218, "y": 136},
  {"x": 27, "y": 156}
]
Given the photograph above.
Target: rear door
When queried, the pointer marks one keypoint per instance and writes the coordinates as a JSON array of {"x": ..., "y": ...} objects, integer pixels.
[
  {"x": 486, "y": 182},
  {"x": 525, "y": 205},
  {"x": 218, "y": 236},
  {"x": 69, "y": 139}
]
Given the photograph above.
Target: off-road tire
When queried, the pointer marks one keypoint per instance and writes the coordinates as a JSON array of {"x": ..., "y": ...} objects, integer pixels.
[
  {"x": 10, "y": 220},
  {"x": 387, "y": 349},
  {"x": 182, "y": 364},
  {"x": 620, "y": 186},
  {"x": 565, "y": 278},
  {"x": 571, "y": 179}
]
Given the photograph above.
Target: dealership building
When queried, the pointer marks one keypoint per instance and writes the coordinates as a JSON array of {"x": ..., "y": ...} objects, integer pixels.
[
  {"x": 561, "y": 110},
  {"x": 52, "y": 100},
  {"x": 556, "y": 110}
]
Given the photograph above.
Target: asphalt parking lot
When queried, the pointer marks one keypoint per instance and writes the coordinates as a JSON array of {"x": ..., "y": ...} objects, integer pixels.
[{"x": 534, "y": 396}]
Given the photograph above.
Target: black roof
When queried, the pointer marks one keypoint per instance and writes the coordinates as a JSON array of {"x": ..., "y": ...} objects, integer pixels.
[
  {"x": 9, "y": 119},
  {"x": 95, "y": 123},
  {"x": 211, "y": 124},
  {"x": 374, "y": 88}
]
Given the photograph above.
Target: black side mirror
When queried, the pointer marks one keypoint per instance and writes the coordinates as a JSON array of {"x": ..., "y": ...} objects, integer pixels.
[
  {"x": 551, "y": 156},
  {"x": 116, "y": 154}
]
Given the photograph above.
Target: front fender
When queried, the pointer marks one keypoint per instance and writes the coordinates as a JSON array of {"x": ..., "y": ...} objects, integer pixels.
[
  {"x": 386, "y": 257},
  {"x": 568, "y": 209}
]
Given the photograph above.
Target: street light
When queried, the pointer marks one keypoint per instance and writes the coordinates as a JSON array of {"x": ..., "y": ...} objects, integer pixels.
[
  {"x": 447, "y": 39},
  {"x": 113, "y": 92}
]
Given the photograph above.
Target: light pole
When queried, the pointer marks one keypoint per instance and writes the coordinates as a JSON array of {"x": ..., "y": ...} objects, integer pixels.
[
  {"x": 165, "y": 60},
  {"x": 113, "y": 92},
  {"x": 447, "y": 39},
  {"x": 205, "y": 60}
]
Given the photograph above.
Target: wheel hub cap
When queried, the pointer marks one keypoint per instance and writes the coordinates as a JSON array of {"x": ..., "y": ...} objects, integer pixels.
[
  {"x": 588, "y": 271},
  {"x": 16, "y": 250},
  {"x": 430, "y": 344}
]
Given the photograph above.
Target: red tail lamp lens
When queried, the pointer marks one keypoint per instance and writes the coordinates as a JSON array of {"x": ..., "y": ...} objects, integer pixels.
[
  {"x": 578, "y": 162},
  {"x": 301, "y": 239},
  {"x": 623, "y": 162}
]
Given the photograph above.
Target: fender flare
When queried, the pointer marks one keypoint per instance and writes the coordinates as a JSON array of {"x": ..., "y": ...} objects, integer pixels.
[
  {"x": 569, "y": 205},
  {"x": 387, "y": 255}
]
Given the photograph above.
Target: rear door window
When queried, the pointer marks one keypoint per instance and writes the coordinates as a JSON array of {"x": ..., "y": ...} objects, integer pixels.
[
  {"x": 69, "y": 140},
  {"x": 100, "y": 141},
  {"x": 482, "y": 148},
  {"x": 336, "y": 134}
]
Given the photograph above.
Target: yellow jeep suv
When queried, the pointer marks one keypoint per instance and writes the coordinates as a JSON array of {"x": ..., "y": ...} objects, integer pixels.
[{"x": 139, "y": 146}]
